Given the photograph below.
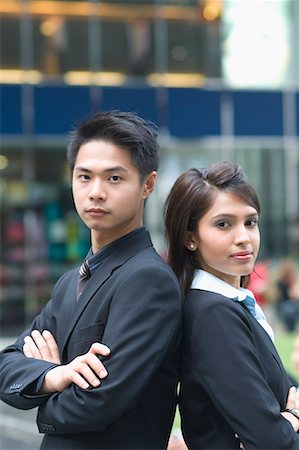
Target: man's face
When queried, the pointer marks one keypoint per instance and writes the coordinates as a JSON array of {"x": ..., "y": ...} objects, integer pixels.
[{"x": 108, "y": 192}]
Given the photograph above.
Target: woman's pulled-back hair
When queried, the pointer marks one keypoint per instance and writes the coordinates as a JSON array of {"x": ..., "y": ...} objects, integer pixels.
[
  {"x": 123, "y": 129},
  {"x": 190, "y": 198}
]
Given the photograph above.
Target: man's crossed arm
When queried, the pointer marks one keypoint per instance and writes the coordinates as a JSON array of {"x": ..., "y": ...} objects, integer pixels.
[{"x": 85, "y": 370}]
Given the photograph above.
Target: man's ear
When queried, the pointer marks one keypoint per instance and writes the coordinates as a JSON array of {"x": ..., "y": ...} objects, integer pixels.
[
  {"x": 149, "y": 184},
  {"x": 189, "y": 241}
]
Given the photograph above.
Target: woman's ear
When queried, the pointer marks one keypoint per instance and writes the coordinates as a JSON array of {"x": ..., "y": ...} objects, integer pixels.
[{"x": 189, "y": 241}]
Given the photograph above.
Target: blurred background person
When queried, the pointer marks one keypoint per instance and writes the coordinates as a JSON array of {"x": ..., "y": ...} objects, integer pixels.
[
  {"x": 259, "y": 283},
  {"x": 287, "y": 289},
  {"x": 295, "y": 357}
]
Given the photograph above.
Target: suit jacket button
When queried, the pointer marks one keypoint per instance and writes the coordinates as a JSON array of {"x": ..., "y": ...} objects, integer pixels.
[
  {"x": 46, "y": 427},
  {"x": 15, "y": 386}
]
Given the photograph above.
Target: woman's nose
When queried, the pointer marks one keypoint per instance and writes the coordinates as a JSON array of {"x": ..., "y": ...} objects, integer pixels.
[{"x": 242, "y": 235}]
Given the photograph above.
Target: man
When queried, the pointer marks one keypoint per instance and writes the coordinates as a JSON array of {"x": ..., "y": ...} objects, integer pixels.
[{"x": 129, "y": 301}]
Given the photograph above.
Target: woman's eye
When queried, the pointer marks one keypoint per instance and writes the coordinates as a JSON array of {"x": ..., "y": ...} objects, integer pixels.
[
  {"x": 251, "y": 222},
  {"x": 222, "y": 224}
]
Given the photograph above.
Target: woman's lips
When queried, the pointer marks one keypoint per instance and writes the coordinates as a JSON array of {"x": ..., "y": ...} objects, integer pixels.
[{"x": 243, "y": 256}]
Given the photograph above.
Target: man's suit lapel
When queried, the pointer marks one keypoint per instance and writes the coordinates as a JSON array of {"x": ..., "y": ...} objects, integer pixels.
[
  {"x": 125, "y": 251},
  {"x": 66, "y": 308},
  {"x": 98, "y": 278}
]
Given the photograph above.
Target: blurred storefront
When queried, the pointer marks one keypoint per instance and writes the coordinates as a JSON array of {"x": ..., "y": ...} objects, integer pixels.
[{"x": 209, "y": 73}]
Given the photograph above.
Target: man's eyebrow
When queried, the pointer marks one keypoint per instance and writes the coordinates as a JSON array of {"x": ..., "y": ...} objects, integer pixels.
[
  {"x": 115, "y": 169},
  {"x": 82, "y": 169},
  {"x": 107, "y": 170}
]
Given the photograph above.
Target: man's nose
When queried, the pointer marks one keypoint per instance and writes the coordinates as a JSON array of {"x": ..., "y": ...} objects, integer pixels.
[{"x": 97, "y": 190}]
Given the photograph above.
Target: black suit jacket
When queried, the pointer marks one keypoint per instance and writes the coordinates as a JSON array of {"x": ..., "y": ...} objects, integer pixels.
[
  {"x": 233, "y": 379},
  {"x": 131, "y": 304}
]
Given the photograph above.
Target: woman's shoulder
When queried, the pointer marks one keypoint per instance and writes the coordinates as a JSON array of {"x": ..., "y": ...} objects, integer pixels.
[
  {"x": 199, "y": 301},
  {"x": 195, "y": 295},
  {"x": 201, "y": 308}
]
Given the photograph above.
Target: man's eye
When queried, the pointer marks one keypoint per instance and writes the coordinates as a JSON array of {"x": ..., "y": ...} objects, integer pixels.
[{"x": 115, "y": 178}]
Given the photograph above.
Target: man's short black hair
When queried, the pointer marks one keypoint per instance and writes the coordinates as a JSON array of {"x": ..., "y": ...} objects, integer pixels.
[{"x": 123, "y": 129}]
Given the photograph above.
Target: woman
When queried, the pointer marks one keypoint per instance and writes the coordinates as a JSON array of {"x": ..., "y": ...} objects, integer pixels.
[{"x": 234, "y": 390}]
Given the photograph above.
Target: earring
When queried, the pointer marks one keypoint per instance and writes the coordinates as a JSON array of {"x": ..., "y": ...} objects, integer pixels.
[{"x": 192, "y": 246}]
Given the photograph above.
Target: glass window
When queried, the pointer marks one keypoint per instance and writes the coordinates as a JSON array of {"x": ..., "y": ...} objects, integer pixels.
[
  {"x": 10, "y": 43},
  {"x": 60, "y": 45},
  {"x": 41, "y": 234},
  {"x": 134, "y": 45}
]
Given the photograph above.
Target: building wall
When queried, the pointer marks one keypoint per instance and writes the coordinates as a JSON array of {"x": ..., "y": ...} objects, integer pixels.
[{"x": 162, "y": 60}]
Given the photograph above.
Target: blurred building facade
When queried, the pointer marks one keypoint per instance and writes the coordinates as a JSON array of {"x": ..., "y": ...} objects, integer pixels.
[{"x": 219, "y": 78}]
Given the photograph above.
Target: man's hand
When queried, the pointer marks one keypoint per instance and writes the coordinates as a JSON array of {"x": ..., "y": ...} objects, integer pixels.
[
  {"x": 84, "y": 371},
  {"x": 41, "y": 346}
]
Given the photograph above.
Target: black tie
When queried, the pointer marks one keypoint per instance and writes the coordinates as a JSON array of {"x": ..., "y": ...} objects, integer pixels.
[{"x": 84, "y": 275}]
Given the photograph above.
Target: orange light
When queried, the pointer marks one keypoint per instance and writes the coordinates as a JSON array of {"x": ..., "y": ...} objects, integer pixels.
[
  {"x": 212, "y": 10},
  {"x": 47, "y": 27}
]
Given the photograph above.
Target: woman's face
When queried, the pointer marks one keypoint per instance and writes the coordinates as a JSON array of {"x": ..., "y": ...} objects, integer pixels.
[{"x": 227, "y": 238}]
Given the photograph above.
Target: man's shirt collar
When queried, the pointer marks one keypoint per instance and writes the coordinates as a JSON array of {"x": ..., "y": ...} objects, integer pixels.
[{"x": 97, "y": 259}]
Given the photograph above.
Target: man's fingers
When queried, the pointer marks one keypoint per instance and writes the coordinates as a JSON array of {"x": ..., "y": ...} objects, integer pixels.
[
  {"x": 99, "y": 349},
  {"x": 52, "y": 346},
  {"x": 41, "y": 345},
  {"x": 27, "y": 351},
  {"x": 32, "y": 348},
  {"x": 97, "y": 366},
  {"x": 85, "y": 371},
  {"x": 94, "y": 362},
  {"x": 77, "y": 379}
]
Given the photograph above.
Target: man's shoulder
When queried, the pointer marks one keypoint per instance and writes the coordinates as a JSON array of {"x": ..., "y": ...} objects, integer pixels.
[
  {"x": 150, "y": 268},
  {"x": 149, "y": 257}
]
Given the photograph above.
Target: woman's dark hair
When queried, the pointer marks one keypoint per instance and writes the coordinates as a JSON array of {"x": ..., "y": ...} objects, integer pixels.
[
  {"x": 123, "y": 129},
  {"x": 190, "y": 198}
]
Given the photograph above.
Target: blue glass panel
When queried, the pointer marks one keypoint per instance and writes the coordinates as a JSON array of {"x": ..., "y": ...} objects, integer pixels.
[
  {"x": 10, "y": 109},
  {"x": 258, "y": 113},
  {"x": 194, "y": 112}
]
